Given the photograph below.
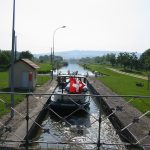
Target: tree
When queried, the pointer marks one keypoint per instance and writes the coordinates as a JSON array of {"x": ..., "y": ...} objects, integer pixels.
[
  {"x": 124, "y": 59},
  {"x": 111, "y": 58},
  {"x": 5, "y": 58},
  {"x": 26, "y": 54},
  {"x": 133, "y": 61},
  {"x": 58, "y": 58},
  {"x": 145, "y": 60},
  {"x": 44, "y": 58},
  {"x": 97, "y": 59}
]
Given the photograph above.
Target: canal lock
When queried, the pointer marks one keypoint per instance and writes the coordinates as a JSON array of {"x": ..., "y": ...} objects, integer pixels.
[{"x": 84, "y": 129}]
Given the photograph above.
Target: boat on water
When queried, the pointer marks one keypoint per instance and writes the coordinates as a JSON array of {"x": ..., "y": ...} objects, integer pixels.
[{"x": 71, "y": 94}]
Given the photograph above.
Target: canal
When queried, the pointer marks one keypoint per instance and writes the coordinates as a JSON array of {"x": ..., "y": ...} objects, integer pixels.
[
  {"x": 84, "y": 126},
  {"x": 73, "y": 68}
]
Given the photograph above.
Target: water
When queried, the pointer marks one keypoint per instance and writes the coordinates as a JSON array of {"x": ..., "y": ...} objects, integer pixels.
[
  {"x": 74, "y": 68},
  {"x": 83, "y": 126}
]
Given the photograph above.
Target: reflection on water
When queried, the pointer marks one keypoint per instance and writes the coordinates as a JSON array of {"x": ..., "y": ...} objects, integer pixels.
[
  {"x": 79, "y": 127},
  {"x": 73, "y": 68},
  {"x": 83, "y": 129}
]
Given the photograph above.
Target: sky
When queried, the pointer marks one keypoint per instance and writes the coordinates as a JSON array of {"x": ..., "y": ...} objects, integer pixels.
[{"x": 114, "y": 25}]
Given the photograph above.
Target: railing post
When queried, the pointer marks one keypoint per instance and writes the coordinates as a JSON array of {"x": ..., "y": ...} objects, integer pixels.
[
  {"x": 27, "y": 121},
  {"x": 99, "y": 127}
]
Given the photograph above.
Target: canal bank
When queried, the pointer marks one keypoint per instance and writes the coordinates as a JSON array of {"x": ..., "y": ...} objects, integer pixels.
[
  {"x": 18, "y": 124},
  {"x": 126, "y": 116}
]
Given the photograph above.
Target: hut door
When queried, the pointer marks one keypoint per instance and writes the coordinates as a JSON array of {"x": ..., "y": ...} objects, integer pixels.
[{"x": 25, "y": 79}]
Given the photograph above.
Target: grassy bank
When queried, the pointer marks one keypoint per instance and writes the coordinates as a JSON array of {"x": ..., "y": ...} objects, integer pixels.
[
  {"x": 44, "y": 68},
  {"x": 3, "y": 80},
  {"x": 133, "y": 71},
  {"x": 125, "y": 85},
  {"x": 41, "y": 79},
  {"x": 4, "y": 108}
]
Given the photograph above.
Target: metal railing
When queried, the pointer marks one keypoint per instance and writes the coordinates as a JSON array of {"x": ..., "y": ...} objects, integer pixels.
[{"x": 9, "y": 137}]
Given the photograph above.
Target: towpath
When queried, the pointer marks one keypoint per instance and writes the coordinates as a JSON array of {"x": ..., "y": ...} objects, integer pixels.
[
  {"x": 129, "y": 74},
  {"x": 18, "y": 123}
]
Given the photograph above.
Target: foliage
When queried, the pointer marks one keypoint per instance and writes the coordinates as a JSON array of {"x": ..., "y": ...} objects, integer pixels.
[
  {"x": 128, "y": 61},
  {"x": 134, "y": 62},
  {"x": 26, "y": 54},
  {"x": 111, "y": 58},
  {"x": 145, "y": 60},
  {"x": 48, "y": 63},
  {"x": 58, "y": 58},
  {"x": 5, "y": 58},
  {"x": 124, "y": 59},
  {"x": 45, "y": 58},
  {"x": 48, "y": 58}
]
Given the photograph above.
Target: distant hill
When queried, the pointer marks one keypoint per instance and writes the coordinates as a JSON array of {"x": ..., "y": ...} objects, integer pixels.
[{"x": 77, "y": 54}]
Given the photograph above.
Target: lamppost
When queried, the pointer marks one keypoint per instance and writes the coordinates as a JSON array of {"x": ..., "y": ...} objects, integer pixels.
[
  {"x": 54, "y": 46},
  {"x": 12, "y": 62}
]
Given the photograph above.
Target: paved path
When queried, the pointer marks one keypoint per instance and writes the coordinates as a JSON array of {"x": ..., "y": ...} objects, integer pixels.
[
  {"x": 140, "y": 129},
  {"x": 129, "y": 74}
]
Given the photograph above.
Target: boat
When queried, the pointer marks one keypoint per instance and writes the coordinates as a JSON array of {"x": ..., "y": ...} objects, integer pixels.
[{"x": 71, "y": 94}]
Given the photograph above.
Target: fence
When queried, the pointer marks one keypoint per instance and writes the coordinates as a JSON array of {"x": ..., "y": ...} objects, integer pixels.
[{"x": 29, "y": 115}]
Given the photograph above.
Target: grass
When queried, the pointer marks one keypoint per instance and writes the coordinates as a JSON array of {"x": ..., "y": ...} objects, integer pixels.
[
  {"x": 133, "y": 71},
  {"x": 44, "y": 68},
  {"x": 41, "y": 79},
  {"x": 4, "y": 108},
  {"x": 3, "y": 79},
  {"x": 125, "y": 85}
]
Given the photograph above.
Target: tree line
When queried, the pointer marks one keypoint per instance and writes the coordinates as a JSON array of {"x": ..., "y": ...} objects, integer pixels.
[
  {"x": 5, "y": 58},
  {"x": 57, "y": 61},
  {"x": 124, "y": 59}
]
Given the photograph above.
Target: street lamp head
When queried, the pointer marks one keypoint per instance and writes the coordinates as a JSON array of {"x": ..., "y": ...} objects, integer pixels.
[{"x": 63, "y": 26}]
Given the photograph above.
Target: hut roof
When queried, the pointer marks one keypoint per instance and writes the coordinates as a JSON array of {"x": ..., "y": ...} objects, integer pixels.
[{"x": 29, "y": 62}]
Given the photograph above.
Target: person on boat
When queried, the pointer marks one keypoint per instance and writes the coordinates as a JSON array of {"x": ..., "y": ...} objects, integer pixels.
[
  {"x": 76, "y": 86},
  {"x": 76, "y": 73},
  {"x": 68, "y": 72}
]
